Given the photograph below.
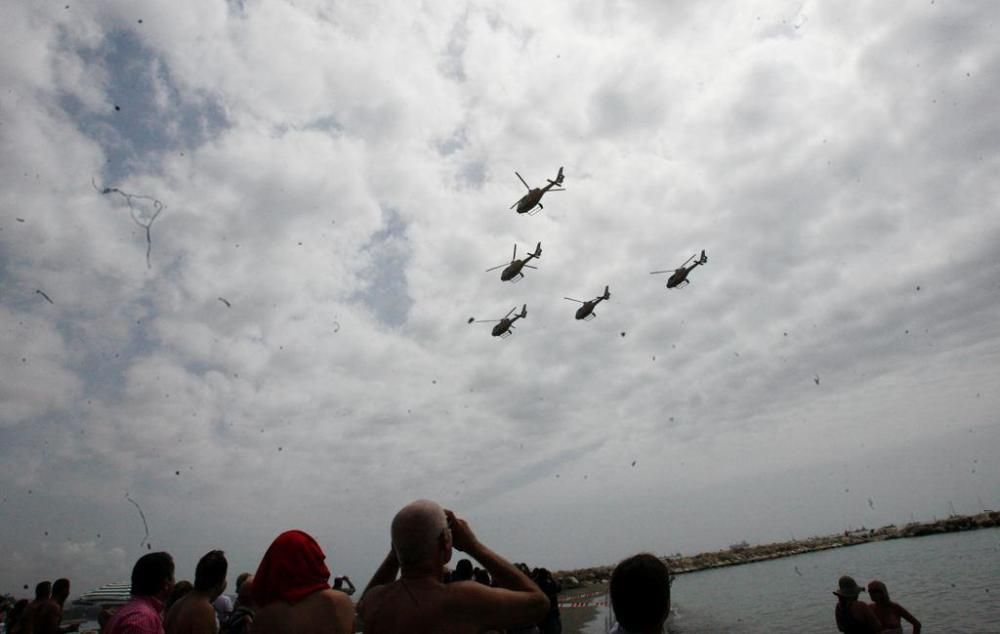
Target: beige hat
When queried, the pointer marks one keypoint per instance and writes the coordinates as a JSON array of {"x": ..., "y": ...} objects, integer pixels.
[{"x": 847, "y": 587}]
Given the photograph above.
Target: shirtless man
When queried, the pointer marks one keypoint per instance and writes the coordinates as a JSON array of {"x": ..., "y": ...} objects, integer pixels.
[
  {"x": 193, "y": 613},
  {"x": 419, "y": 601},
  {"x": 49, "y": 616}
]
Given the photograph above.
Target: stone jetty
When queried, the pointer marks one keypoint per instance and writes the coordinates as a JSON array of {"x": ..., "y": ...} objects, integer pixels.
[{"x": 744, "y": 553}]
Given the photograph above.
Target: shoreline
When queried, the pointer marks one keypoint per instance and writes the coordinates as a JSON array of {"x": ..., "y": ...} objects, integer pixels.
[{"x": 740, "y": 554}]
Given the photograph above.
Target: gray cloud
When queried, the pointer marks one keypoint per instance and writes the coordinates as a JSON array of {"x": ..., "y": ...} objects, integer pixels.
[{"x": 341, "y": 176}]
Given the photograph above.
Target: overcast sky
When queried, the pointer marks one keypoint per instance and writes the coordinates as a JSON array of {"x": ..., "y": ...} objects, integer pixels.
[{"x": 341, "y": 175}]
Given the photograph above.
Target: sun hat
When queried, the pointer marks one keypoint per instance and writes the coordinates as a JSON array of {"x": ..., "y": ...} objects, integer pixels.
[{"x": 847, "y": 587}]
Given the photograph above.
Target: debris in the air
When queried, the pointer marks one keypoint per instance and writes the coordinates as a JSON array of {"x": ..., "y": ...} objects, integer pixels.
[
  {"x": 918, "y": 287},
  {"x": 871, "y": 503},
  {"x": 633, "y": 463},
  {"x": 141, "y": 515},
  {"x": 226, "y": 302},
  {"x": 816, "y": 379},
  {"x": 786, "y": 334},
  {"x": 434, "y": 381},
  {"x": 177, "y": 472},
  {"x": 797, "y": 571},
  {"x": 43, "y": 294},
  {"x": 654, "y": 357},
  {"x": 623, "y": 333},
  {"x": 19, "y": 219},
  {"x": 147, "y": 223},
  {"x": 279, "y": 448},
  {"x": 336, "y": 326},
  {"x": 471, "y": 319}
]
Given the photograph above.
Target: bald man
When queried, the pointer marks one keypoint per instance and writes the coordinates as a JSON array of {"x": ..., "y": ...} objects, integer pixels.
[{"x": 423, "y": 535}]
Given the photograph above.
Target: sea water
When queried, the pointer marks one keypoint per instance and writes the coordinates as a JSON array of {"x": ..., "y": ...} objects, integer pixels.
[{"x": 951, "y": 583}]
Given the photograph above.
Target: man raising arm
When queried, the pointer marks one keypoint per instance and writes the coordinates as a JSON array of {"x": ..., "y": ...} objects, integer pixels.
[{"x": 419, "y": 601}]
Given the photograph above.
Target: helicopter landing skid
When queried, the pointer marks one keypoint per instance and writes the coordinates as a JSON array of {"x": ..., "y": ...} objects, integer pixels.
[
  {"x": 506, "y": 334},
  {"x": 590, "y": 316},
  {"x": 534, "y": 211}
]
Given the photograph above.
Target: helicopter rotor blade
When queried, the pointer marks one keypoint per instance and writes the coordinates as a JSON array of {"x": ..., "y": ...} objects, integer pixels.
[
  {"x": 514, "y": 257},
  {"x": 509, "y": 312},
  {"x": 523, "y": 181},
  {"x": 658, "y": 272},
  {"x": 514, "y": 205},
  {"x": 528, "y": 266},
  {"x": 558, "y": 189},
  {"x": 688, "y": 260},
  {"x": 486, "y": 321},
  {"x": 496, "y": 267},
  {"x": 574, "y": 300}
]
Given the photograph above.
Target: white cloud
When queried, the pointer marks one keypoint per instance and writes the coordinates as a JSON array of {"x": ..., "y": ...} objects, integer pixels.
[{"x": 341, "y": 177}]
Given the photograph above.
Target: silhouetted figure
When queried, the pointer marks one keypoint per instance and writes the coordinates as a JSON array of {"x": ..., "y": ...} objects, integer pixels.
[
  {"x": 152, "y": 583},
  {"x": 48, "y": 617},
  {"x": 194, "y": 613},
  {"x": 43, "y": 592},
  {"x": 853, "y": 616},
  {"x": 15, "y": 619},
  {"x": 292, "y": 594},
  {"x": 241, "y": 618},
  {"x": 552, "y": 623},
  {"x": 640, "y": 595},
  {"x": 344, "y": 584},
  {"x": 181, "y": 588},
  {"x": 463, "y": 570},
  {"x": 422, "y": 538},
  {"x": 888, "y": 612},
  {"x": 481, "y": 576}
]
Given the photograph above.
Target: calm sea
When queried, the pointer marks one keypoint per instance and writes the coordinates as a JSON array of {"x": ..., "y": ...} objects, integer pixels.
[{"x": 950, "y": 582}]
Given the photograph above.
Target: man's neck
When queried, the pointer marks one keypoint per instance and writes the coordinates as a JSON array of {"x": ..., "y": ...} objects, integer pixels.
[{"x": 431, "y": 570}]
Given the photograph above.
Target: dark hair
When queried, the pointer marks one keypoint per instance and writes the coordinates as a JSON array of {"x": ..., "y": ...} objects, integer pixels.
[
  {"x": 43, "y": 590},
  {"x": 463, "y": 570},
  {"x": 60, "y": 588},
  {"x": 180, "y": 589},
  {"x": 211, "y": 571},
  {"x": 240, "y": 579},
  {"x": 640, "y": 592},
  {"x": 150, "y": 572}
]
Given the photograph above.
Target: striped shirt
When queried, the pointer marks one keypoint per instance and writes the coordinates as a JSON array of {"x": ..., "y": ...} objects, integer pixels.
[{"x": 141, "y": 615}]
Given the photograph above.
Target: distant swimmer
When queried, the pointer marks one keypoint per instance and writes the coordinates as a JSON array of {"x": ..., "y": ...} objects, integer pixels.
[
  {"x": 853, "y": 616},
  {"x": 889, "y": 613}
]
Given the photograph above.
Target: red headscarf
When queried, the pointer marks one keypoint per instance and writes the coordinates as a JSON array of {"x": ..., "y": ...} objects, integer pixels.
[{"x": 291, "y": 570}]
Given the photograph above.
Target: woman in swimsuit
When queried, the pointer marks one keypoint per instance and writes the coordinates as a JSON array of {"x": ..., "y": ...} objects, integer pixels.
[{"x": 888, "y": 612}]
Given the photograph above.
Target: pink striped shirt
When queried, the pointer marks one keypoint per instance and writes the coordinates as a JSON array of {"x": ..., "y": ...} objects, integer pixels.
[{"x": 141, "y": 615}]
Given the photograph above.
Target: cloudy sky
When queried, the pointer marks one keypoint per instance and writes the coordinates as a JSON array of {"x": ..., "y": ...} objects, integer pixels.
[{"x": 341, "y": 175}]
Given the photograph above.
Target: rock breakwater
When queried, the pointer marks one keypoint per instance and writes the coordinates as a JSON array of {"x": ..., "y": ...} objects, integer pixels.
[{"x": 744, "y": 553}]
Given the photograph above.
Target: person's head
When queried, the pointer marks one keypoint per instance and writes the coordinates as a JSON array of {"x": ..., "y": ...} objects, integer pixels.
[
  {"x": 420, "y": 536},
  {"x": 848, "y": 589},
  {"x": 482, "y": 576},
  {"x": 463, "y": 570},
  {"x": 640, "y": 593},
  {"x": 43, "y": 590},
  {"x": 878, "y": 592},
  {"x": 153, "y": 576},
  {"x": 210, "y": 573},
  {"x": 180, "y": 589},
  {"x": 243, "y": 576},
  {"x": 292, "y": 568},
  {"x": 60, "y": 590},
  {"x": 245, "y": 594}
]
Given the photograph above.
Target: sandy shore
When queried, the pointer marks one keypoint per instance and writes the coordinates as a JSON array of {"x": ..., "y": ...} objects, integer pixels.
[{"x": 574, "y": 618}]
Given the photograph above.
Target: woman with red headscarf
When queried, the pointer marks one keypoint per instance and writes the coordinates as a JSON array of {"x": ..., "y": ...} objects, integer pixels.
[{"x": 292, "y": 593}]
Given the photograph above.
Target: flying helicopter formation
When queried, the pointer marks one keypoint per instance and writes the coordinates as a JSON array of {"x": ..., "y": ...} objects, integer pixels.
[
  {"x": 531, "y": 204},
  {"x": 586, "y": 311},
  {"x": 513, "y": 271},
  {"x": 680, "y": 275},
  {"x": 528, "y": 203}
]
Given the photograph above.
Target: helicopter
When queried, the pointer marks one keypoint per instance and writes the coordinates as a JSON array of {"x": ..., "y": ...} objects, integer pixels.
[
  {"x": 680, "y": 275},
  {"x": 513, "y": 270},
  {"x": 505, "y": 326},
  {"x": 533, "y": 198},
  {"x": 587, "y": 310}
]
